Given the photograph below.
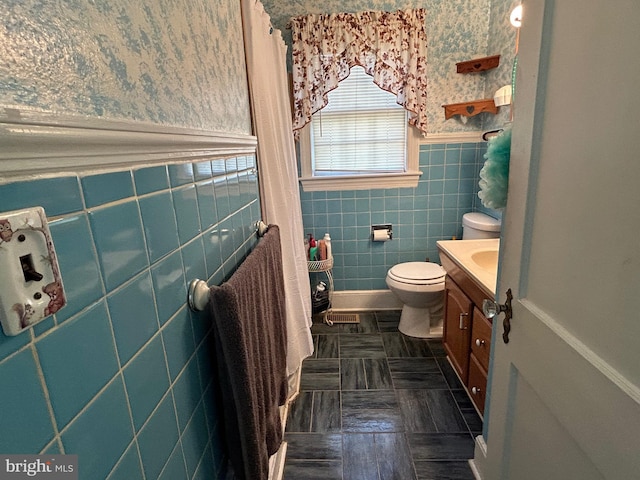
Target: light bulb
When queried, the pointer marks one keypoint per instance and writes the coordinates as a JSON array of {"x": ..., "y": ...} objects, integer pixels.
[{"x": 516, "y": 16}]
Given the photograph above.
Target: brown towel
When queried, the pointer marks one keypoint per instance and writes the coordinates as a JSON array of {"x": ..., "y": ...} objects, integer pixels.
[{"x": 250, "y": 331}]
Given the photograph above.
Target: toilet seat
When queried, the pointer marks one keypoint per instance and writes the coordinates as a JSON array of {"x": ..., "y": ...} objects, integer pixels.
[{"x": 417, "y": 273}]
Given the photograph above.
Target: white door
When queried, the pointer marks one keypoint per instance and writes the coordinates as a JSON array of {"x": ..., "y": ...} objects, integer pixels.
[{"x": 565, "y": 391}]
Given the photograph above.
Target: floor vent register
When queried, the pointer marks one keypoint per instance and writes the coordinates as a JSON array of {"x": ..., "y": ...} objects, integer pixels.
[{"x": 342, "y": 318}]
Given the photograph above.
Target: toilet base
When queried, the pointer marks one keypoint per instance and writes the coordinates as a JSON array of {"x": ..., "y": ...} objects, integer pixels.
[{"x": 421, "y": 322}]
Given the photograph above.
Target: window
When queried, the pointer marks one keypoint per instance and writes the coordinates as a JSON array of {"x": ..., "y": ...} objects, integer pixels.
[{"x": 362, "y": 135}]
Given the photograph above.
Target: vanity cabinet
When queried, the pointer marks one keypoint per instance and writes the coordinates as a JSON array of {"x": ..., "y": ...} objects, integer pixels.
[
  {"x": 456, "y": 334},
  {"x": 467, "y": 334}
]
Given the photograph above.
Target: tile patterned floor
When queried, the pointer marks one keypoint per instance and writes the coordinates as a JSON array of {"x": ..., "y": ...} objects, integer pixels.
[{"x": 375, "y": 404}]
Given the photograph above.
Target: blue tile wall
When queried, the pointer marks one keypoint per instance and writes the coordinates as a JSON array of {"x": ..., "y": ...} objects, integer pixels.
[
  {"x": 122, "y": 375},
  {"x": 120, "y": 243},
  {"x": 133, "y": 303},
  {"x": 23, "y": 431},
  {"x": 104, "y": 427},
  {"x": 160, "y": 227},
  {"x": 107, "y": 187},
  {"x": 92, "y": 359},
  {"x": 56, "y": 195},
  {"x": 420, "y": 216},
  {"x": 150, "y": 179}
]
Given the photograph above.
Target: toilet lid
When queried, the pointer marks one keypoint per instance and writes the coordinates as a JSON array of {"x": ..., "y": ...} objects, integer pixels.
[{"x": 418, "y": 273}]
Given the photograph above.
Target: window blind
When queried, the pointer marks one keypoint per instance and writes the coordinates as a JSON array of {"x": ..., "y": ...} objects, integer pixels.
[{"x": 361, "y": 130}]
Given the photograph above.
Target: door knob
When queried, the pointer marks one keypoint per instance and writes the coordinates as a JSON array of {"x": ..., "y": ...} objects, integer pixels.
[
  {"x": 475, "y": 390},
  {"x": 491, "y": 309},
  {"x": 479, "y": 342}
]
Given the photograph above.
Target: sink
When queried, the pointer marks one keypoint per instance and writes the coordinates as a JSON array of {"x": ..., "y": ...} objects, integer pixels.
[
  {"x": 487, "y": 259},
  {"x": 478, "y": 257}
]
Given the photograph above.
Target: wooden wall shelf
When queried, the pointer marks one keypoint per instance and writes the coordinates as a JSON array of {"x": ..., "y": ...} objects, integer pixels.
[
  {"x": 478, "y": 64},
  {"x": 470, "y": 109}
]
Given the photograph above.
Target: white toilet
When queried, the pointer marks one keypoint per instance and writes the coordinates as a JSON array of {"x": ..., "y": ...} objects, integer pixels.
[
  {"x": 420, "y": 287},
  {"x": 478, "y": 225}
]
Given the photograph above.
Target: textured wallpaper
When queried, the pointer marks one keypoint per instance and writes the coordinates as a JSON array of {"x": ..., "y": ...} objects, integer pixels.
[
  {"x": 170, "y": 62},
  {"x": 457, "y": 30},
  {"x": 503, "y": 41}
]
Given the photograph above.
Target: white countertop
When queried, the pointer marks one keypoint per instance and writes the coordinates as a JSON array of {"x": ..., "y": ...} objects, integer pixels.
[{"x": 476, "y": 257}]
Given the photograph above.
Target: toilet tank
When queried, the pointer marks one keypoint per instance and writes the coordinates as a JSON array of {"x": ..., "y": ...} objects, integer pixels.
[{"x": 479, "y": 225}]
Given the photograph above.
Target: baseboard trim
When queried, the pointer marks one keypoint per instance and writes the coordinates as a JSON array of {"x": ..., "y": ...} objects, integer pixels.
[
  {"x": 277, "y": 461},
  {"x": 359, "y": 300},
  {"x": 479, "y": 457},
  {"x": 294, "y": 384}
]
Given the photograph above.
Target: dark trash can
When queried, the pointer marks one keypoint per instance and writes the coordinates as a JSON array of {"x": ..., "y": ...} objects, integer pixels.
[{"x": 320, "y": 298}]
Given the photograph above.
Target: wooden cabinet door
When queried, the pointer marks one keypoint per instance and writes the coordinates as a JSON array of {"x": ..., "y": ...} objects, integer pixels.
[
  {"x": 481, "y": 338},
  {"x": 457, "y": 328}
]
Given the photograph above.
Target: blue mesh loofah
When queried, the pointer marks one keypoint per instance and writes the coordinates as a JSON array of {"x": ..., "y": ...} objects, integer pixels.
[{"x": 494, "y": 176}]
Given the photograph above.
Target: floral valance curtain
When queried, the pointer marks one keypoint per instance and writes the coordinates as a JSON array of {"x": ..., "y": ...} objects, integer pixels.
[{"x": 390, "y": 46}]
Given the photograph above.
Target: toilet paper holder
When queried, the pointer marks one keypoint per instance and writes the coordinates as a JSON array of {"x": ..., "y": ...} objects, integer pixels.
[{"x": 381, "y": 232}]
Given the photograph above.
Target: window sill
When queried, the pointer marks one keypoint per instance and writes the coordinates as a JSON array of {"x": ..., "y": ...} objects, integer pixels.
[{"x": 361, "y": 182}]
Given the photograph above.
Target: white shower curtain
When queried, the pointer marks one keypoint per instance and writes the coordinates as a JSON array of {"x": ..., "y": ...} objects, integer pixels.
[{"x": 277, "y": 171}]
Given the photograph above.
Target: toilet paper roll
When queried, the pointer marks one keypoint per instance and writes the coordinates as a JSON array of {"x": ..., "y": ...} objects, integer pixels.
[{"x": 380, "y": 235}]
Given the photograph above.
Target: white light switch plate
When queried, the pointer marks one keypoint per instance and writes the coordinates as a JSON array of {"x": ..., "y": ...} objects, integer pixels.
[{"x": 31, "y": 286}]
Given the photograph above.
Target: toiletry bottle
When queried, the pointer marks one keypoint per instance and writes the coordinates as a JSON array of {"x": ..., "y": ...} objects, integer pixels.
[
  {"x": 322, "y": 250},
  {"x": 312, "y": 244},
  {"x": 327, "y": 242},
  {"x": 306, "y": 247}
]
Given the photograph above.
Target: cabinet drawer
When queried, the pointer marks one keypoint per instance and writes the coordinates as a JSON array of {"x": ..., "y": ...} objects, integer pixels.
[
  {"x": 481, "y": 338},
  {"x": 477, "y": 383}
]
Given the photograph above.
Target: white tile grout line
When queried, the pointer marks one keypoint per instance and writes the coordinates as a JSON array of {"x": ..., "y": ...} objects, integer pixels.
[{"x": 45, "y": 390}]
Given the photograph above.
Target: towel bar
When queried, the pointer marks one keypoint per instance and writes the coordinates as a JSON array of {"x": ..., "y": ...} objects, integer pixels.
[
  {"x": 198, "y": 293},
  {"x": 261, "y": 228}
]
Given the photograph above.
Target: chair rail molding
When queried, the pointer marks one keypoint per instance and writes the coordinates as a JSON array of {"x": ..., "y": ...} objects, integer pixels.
[{"x": 37, "y": 144}]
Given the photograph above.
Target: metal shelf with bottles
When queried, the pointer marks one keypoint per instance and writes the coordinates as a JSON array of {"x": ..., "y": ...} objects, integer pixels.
[
  {"x": 320, "y": 260},
  {"x": 324, "y": 266}
]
